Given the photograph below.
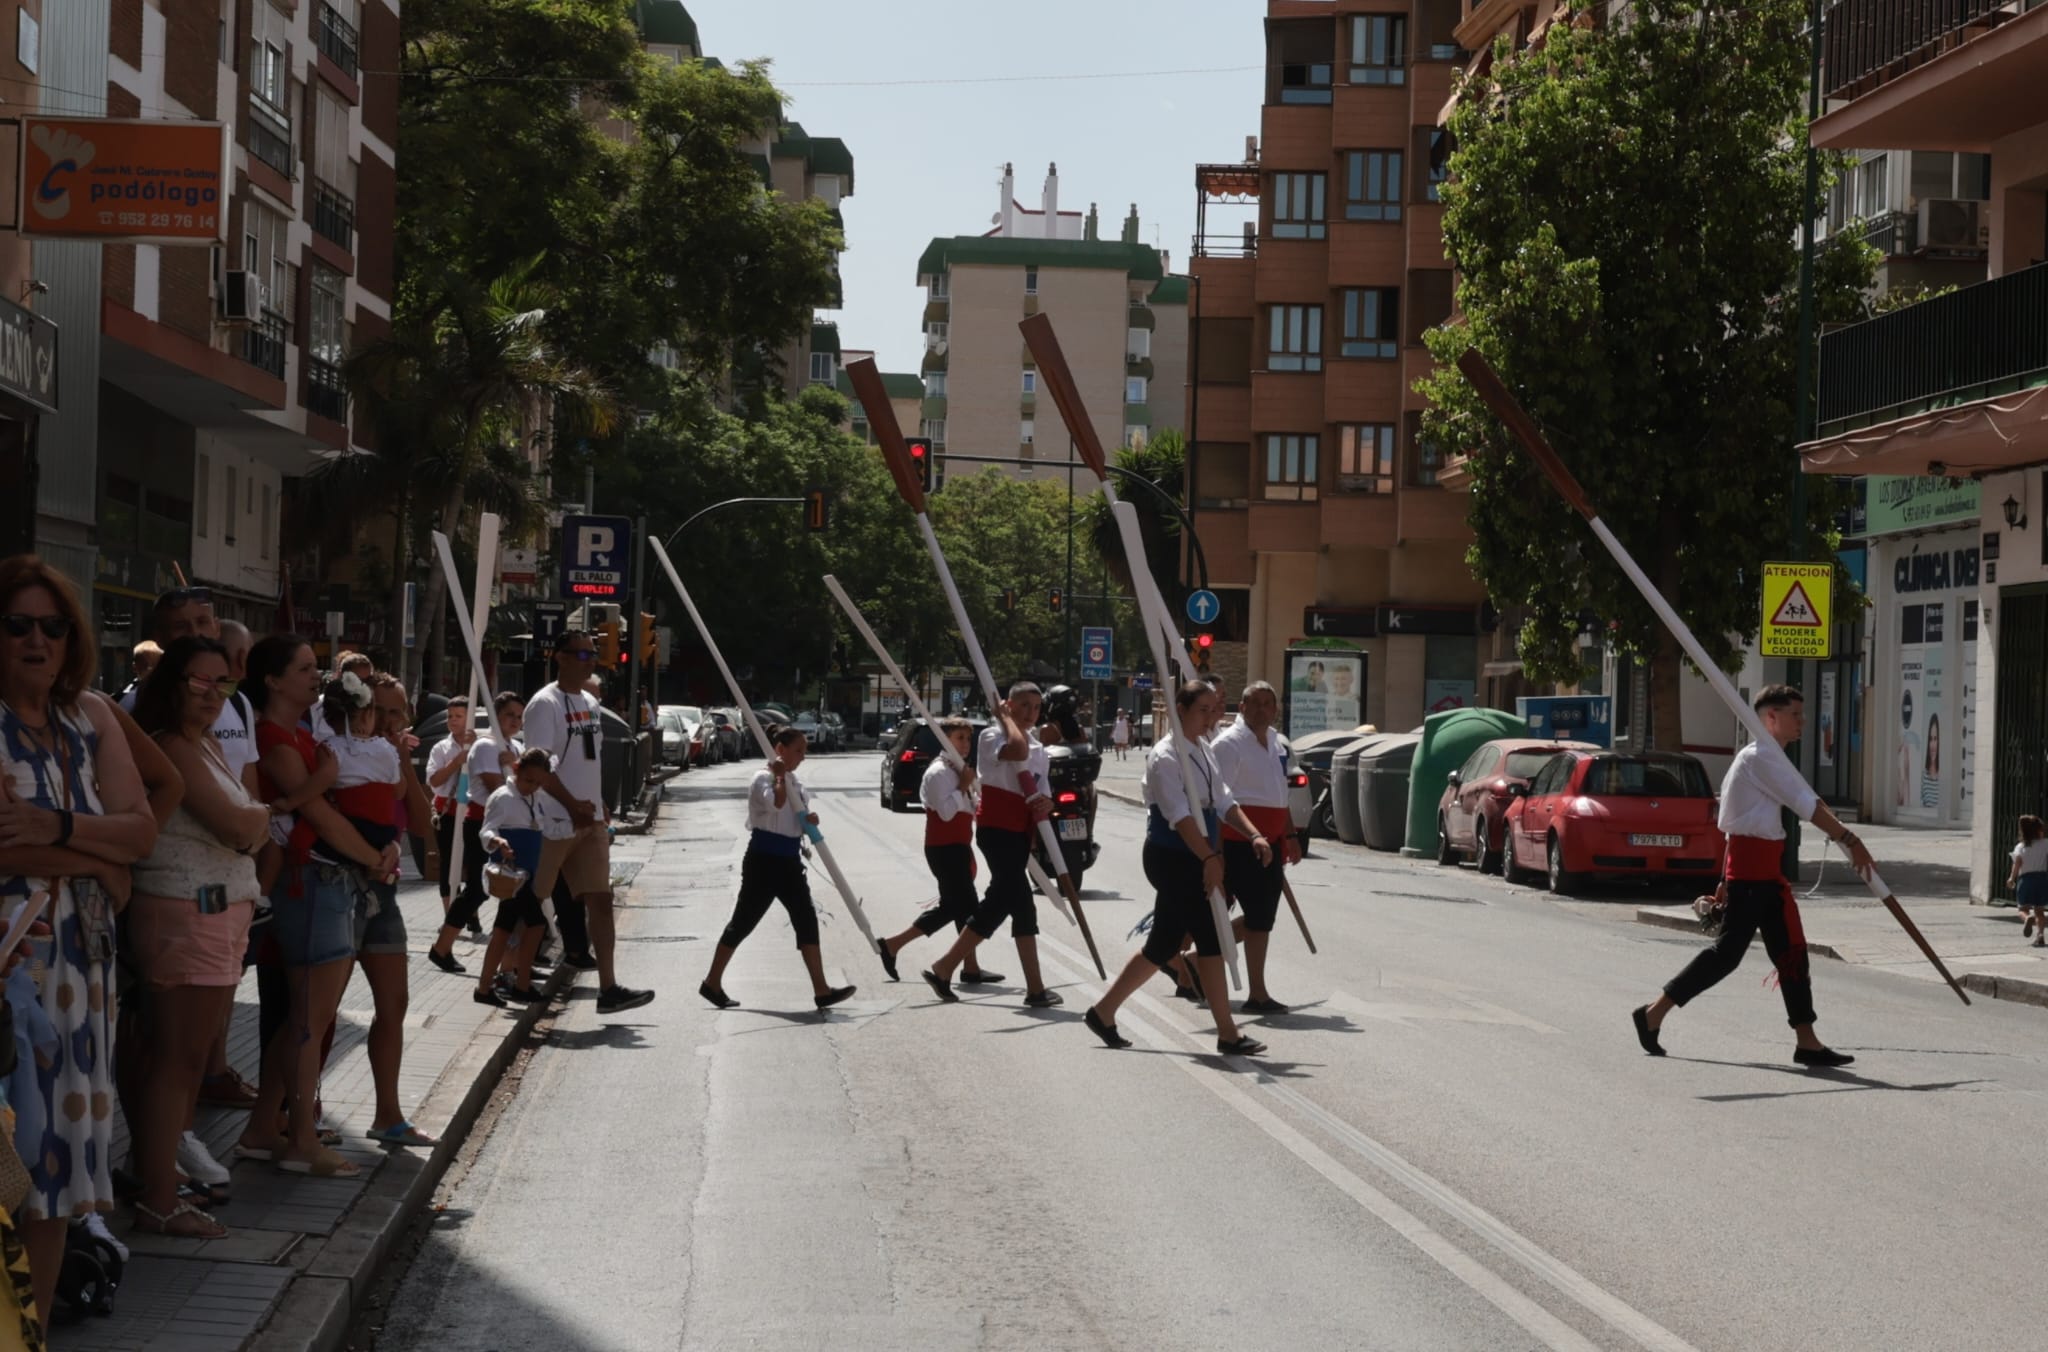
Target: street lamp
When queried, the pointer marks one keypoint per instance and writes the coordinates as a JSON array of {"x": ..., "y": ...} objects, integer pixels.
[{"x": 2015, "y": 515}]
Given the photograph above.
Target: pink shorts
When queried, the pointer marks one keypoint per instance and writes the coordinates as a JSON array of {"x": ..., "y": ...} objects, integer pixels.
[{"x": 174, "y": 945}]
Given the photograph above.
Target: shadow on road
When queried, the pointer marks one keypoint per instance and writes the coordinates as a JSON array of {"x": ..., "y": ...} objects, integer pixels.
[
  {"x": 619, "y": 1036},
  {"x": 1840, "y": 1081}
]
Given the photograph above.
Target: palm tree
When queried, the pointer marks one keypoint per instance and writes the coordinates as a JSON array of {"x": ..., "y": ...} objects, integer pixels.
[
  {"x": 459, "y": 388},
  {"x": 1162, "y": 460}
]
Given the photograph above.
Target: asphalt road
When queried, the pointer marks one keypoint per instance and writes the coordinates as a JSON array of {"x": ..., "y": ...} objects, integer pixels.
[{"x": 1454, "y": 1142}]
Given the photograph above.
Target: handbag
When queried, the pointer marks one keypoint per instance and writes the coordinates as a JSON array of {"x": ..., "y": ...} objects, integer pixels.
[{"x": 503, "y": 881}]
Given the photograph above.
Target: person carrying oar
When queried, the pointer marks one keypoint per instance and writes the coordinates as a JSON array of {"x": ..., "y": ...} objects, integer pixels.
[{"x": 947, "y": 793}]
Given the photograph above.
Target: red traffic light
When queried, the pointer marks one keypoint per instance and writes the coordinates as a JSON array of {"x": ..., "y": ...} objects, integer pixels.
[{"x": 1205, "y": 640}]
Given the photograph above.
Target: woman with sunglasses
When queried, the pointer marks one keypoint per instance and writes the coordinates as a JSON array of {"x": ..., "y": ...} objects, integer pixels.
[
  {"x": 73, "y": 817},
  {"x": 313, "y": 907},
  {"x": 189, "y": 921}
]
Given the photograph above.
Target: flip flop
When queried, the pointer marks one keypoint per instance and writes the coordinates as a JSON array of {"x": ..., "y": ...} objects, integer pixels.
[
  {"x": 403, "y": 1133},
  {"x": 159, "y": 1223},
  {"x": 326, "y": 1164}
]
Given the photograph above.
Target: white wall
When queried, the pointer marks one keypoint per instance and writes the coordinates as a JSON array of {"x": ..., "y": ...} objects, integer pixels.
[{"x": 249, "y": 564}]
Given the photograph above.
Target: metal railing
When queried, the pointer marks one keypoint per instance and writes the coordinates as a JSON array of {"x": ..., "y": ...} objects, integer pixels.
[
  {"x": 263, "y": 344},
  {"x": 326, "y": 392},
  {"x": 1976, "y": 343},
  {"x": 1238, "y": 245},
  {"x": 1894, "y": 233},
  {"x": 337, "y": 39},
  {"x": 334, "y": 214},
  {"x": 270, "y": 135},
  {"x": 1866, "y": 42}
]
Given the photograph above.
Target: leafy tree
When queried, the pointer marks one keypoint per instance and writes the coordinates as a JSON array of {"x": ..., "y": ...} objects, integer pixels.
[{"x": 1623, "y": 208}]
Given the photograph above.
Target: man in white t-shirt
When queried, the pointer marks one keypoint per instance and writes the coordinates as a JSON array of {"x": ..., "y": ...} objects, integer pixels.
[
  {"x": 564, "y": 721},
  {"x": 187, "y": 612}
]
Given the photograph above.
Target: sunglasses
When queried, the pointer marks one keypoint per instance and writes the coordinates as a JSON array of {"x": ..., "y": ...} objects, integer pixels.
[
  {"x": 53, "y": 626},
  {"x": 225, "y": 687},
  {"x": 179, "y": 596}
]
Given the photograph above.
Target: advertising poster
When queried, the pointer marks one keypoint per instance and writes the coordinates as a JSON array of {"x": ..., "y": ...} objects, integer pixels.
[
  {"x": 1938, "y": 736},
  {"x": 1325, "y": 689},
  {"x": 1438, "y": 696},
  {"x": 1826, "y": 748}
]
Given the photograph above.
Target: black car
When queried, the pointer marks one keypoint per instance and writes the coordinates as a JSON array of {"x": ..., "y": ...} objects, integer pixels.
[{"x": 905, "y": 756}]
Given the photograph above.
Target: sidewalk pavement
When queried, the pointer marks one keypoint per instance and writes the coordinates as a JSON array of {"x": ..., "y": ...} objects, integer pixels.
[{"x": 300, "y": 1251}]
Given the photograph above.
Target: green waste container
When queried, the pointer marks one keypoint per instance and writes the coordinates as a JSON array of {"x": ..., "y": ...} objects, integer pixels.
[{"x": 1448, "y": 741}]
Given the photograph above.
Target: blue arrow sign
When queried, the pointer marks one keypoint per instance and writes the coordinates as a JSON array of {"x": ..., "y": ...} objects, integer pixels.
[
  {"x": 1098, "y": 649},
  {"x": 1203, "y": 607}
]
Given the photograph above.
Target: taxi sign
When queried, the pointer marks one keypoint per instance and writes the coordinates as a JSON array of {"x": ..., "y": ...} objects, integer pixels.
[{"x": 1798, "y": 604}]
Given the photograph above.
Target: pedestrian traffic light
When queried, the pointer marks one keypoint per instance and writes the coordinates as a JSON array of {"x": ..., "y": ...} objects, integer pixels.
[
  {"x": 1055, "y": 599},
  {"x": 1009, "y": 600},
  {"x": 816, "y": 510},
  {"x": 608, "y": 643},
  {"x": 650, "y": 642},
  {"x": 921, "y": 458}
]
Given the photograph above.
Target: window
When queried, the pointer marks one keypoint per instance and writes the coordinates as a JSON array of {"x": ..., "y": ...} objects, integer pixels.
[
  {"x": 1425, "y": 457},
  {"x": 1031, "y": 281},
  {"x": 821, "y": 368},
  {"x": 263, "y": 540},
  {"x": 1435, "y": 145},
  {"x": 329, "y": 316},
  {"x": 1138, "y": 344},
  {"x": 942, "y": 286},
  {"x": 1134, "y": 390},
  {"x": 264, "y": 251},
  {"x": 200, "y": 504},
  {"x": 1135, "y": 436},
  {"x": 934, "y": 431},
  {"x": 232, "y": 499},
  {"x": 1371, "y": 322},
  {"x": 935, "y": 384},
  {"x": 1372, "y": 185},
  {"x": 1025, "y": 431},
  {"x": 269, "y": 31},
  {"x": 1031, "y": 382},
  {"x": 935, "y": 333},
  {"x": 1305, "y": 82},
  {"x": 1298, "y": 205},
  {"x": 1379, "y": 49},
  {"x": 862, "y": 430},
  {"x": 1295, "y": 338},
  {"x": 1365, "y": 458},
  {"x": 1028, "y": 456},
  {"x": 330, "y": 150},
  {"x": 1291, "y": 468}
]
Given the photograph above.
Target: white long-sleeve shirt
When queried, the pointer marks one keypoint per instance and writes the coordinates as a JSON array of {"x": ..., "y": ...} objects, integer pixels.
[
  {"x": 940, "y": 791},
  {"x": 763, "y": 815},
  {"x": 1760, "y": 782},
  {"x": 1164, "y": 790},
  {"x": 1256, "y": 774}
]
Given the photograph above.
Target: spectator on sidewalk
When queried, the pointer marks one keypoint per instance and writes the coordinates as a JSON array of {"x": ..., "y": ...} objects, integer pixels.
[
  {"x": 515, "y": 827},
  {"x": 492, "y": 752},
  {"x": 314, "y": 903},
  {"x": 74, "y": 816},
  {"x": 564, "y": 722},
  {"x": 448, "y": 782},
  {"x": 188, "y": 927},
  {"x": 2029, "y": 879},
  {"x": 224, "y": 1086},
  {"x": 143, "y": 660}
]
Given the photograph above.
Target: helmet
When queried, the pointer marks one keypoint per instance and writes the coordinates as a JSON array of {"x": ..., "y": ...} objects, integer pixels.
[{"x": 1063, "y": 707}]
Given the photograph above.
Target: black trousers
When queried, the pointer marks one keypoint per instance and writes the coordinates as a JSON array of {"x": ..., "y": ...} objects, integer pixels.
[
  {"x": 1179, "y": 906},
  {"x": 1753, "y": 907},
  {"x": 572, "y": 918},
  {"x": 768, "y": 878},
  {"x": 520, "y": 909},
  {"x": 1256, "y": 886},
  {"x": 468, "y": 904},
  {"x": 953, "y": 867},
  {"x": 444, "y": 841},
  {"x": 1009, "y": 896}
]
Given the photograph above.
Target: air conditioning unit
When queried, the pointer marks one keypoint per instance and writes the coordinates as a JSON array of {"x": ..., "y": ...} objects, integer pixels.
[
  {"x": 1954, "y": 228},
  {"x": 241, "y": 297},
  {"x": 1251, "y": 236},
  {"x": 1251, "y": 150}
]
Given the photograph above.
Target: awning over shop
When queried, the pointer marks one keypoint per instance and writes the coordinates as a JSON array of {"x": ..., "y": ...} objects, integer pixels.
[{"x": 1983, "y": 437}]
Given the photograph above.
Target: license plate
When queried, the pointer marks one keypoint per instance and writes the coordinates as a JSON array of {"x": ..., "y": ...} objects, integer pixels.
[
  {"x": 1659, "y": 842},
  {"x": 1074, "y": 828}
]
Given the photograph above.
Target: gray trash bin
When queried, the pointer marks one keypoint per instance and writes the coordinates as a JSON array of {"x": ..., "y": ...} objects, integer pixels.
[
  {"x": 1347, "y": 788},
  {"x": 1383, "y": 790}
]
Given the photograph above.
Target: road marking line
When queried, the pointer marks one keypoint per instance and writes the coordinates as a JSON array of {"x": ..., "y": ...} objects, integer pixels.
[{"x": 1484, "y": 1281}]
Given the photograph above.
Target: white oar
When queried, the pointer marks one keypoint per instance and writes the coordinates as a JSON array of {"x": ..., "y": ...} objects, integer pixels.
[
  {"x": 471, "y": 625},
  {"x": 853, "y": 906},
  {"x": 1167, "y": 649},
  {"x": 930, "y": 720}
]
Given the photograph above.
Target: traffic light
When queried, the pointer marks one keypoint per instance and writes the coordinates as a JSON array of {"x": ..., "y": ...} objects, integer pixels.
[
  {"x": 1199, "y": 647},
  {"x": 650, "y": 642},
  {"x": 608, "y": 643},
  {"x": 1055, "y": 599},
  {"x": 921, "y": 458},
  {"x": 1009, "y": 600},
  {"x": 816, "y": 510}
]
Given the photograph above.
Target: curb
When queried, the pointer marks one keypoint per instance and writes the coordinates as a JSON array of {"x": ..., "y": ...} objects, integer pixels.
[
  {"x": 2017, "y": 989},
  {"x": 1690, "y": 924},
  {"x": 318, "y": 1308}
]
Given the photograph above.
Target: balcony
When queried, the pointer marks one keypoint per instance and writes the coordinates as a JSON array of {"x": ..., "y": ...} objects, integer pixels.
[
  {"x": 1895, "y": 234},
  {"x": 337, "y": 39},
  {"x": 334, "y": 214},
  {"x": 1978, "y": 343},
  {"x": 270, "y": 135},
  {"x": 1931, "y": 74},
  {"x": 326, "y": 391},
  {"x": 263, "y": 344}
]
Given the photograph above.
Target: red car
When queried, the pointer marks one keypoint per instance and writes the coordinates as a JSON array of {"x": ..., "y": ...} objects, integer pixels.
[
  {"x": 1610, "y": 815},
  {"x": 1472, "y": 814}
]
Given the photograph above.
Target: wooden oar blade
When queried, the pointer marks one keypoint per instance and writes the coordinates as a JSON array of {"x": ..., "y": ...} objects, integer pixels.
[
  {"x": 1058, "y": 379},
  {"x": 874, "y": 400}
]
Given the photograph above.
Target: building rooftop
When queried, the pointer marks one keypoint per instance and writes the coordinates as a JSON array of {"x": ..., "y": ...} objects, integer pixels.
[
  {"x": 896, "y": 384},
  {"x": 1140, "y": 261},
  {"x": 1172, "y": 290},
  {"x": 666, "y": 21}
]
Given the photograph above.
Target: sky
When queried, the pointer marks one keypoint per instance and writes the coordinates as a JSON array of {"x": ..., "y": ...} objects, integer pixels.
[{"x": 933, "y": 96}]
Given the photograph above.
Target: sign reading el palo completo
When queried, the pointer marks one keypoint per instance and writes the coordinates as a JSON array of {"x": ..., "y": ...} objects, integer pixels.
[{"x": 119, "y": 180}]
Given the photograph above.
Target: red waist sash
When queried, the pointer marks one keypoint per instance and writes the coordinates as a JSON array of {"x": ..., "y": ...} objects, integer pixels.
[
  {"x": 1274, "y": 823},
  {"x": 1752, "y": 859},
  {"x": 956, "y": 830}
]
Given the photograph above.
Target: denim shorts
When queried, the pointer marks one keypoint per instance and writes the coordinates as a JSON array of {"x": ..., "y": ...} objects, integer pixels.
[
  {"x": 313, "y": 914},
  {"x": 383, "y": 932}
]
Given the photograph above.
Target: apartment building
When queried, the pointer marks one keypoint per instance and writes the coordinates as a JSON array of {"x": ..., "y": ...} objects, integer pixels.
[
  {"x": 1121, "y": 317},
  {"x": 198, "y": 378},
  {"x": 1954, "y": 390},
  {"x": 904, "y": 388},
  {"x": 28, "y": 388},
  {"x": 1318, "y": 265}
]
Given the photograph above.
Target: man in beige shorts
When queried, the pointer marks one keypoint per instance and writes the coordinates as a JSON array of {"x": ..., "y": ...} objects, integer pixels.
[{"x": 563, "y": 720}]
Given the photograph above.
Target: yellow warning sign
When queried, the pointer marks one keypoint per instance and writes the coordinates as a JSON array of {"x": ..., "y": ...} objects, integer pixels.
[{"x": 1798, "y": 599}]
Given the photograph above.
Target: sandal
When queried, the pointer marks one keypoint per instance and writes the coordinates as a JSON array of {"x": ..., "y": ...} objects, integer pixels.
[
  {"x": 326, "y": 1164},
  {"x": 403, "y": 1133},
  {"x": 198, "y": 1225},
  {"x": 263, "y": 1154},
  {"x": 1243, "y": 1046},
  {"x": 227, "y": 1090}
]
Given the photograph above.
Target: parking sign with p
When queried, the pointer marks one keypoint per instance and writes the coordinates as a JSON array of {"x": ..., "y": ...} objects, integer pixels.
[{"x": 596, "y": 556}]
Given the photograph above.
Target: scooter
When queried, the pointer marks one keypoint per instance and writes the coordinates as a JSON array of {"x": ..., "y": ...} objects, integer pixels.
[{"x": 1074, "y": 765}]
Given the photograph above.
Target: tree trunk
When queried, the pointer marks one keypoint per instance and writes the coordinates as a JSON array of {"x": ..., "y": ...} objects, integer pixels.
[
  {"x": 437, "y": 599},
  {"x": 1667, "y": 663}
]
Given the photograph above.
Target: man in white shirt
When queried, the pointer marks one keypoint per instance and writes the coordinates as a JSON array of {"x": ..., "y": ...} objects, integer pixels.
[
  {"x": 187, "y": 612},
  {"x": 1759, "y": 783},
  {"x": 564, "y": 721},
  {"x": 1253, "y": 762}
]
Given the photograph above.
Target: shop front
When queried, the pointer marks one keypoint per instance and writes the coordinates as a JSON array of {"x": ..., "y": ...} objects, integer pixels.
[{"x": 1923, "y": 689}]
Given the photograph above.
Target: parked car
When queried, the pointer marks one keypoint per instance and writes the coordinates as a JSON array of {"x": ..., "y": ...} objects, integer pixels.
[
  {"x": 1471, "y": 817},
  {"x": 1605, "y": 814},
  {"x": 816, "y": 731},
  {"x": 905, "y": 756},
  {"x": 732, "y": 739},
  {"x": 685, "y": 734},
  {"x": 837, "y": 725}
]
